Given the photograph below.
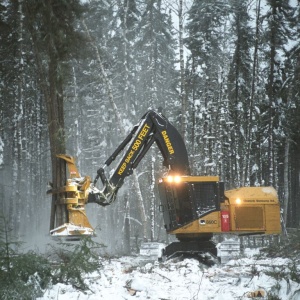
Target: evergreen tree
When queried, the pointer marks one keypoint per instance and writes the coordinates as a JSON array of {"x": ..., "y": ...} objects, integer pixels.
[
  {"x": 89, "y": 109},
  {"x": 291, "y": 123},
  {"x": 205, "y": 40},
  {"x": 124, "y": 55},
  {"x": 156, "y": 58},
  {"x": 22, "y": 121},
  {"x": 239, "y": 83},
  {"x": 74, "y": 261},
  {"x": 22, "y": 276},
  {"x": 55, "y": 40},
  {"x": 278, "y": 32}
]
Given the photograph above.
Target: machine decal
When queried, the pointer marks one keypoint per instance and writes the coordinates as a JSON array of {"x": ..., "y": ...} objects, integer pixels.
[
  {"x": 211, "y": 222},
  {"x": 206, "y": 222},
  {"x": 167, "y": 141},
  {"x": 135, "y": 147}
]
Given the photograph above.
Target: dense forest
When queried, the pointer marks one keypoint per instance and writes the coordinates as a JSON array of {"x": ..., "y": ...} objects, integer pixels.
[{"x": 76, "y": 76}]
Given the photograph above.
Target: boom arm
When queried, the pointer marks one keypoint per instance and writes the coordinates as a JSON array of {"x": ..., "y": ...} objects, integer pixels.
[{"x": 153, "y": 127}]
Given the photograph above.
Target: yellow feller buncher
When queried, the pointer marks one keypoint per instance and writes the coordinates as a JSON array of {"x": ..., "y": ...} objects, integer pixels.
[{"x": 194, "y": 207}]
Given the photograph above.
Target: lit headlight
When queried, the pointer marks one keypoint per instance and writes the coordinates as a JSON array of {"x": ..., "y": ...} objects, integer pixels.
[
  {"x": 170, "y": 179},
  {"x": 175, "y": 179},
  {"x": 238, "y": 201}
]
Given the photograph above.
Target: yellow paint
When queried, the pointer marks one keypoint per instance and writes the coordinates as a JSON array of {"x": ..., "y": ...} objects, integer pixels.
[
  {"x": 168, "y": 142},
  {"x": 207, "y": 224},
  {"x": 74, "y": 195},
  {"x": 258, "y": 210},
  {"x": 135, "y": 147}
]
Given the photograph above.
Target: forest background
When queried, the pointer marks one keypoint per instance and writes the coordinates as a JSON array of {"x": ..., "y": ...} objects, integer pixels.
[{"x": 75, "y": 77}]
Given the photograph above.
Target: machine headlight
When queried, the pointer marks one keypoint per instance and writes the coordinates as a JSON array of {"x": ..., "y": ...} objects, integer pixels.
[
  {"x": 238, "y": 201},
  {"x": 175, "y": 179},
  {"x": 170, "y": 179}
]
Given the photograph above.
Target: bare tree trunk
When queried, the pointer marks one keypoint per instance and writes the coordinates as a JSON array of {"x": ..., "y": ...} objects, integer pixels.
[
  {"x": 271, "y": 91},
  {"x": 16, "y": 203},
  {"x": 286, "y": 180},
  {"x": 126, "y": 225},
  {"x": 78, "y": 137},
  {"x": 251, "y": 105},
  {"x": 52, "y": 91},
  {"x": 140, "y": 203},
  {"x": 125, "y": 99},
  {"x": 182, "y": 74},
  {"x": 152, "y": 198},
  {"x": 55, "y": 113}
]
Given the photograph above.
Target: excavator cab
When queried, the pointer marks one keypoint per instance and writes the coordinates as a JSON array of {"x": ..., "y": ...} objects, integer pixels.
[{"x": 188, "y": 198}]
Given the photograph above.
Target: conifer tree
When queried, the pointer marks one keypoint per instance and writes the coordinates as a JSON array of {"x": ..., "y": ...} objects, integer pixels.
[
  {"x": 55, "y": 39},
  {"x": 205, "y": 24},
  {"x": 239, "y": 83},
  {"x": 22, "y": 275},
  {"x": 278, "y": 18},
  {"x": 156, "y": 58},
  {"x": 291, "y": 123},
  {"x": 22, "y": 119}
]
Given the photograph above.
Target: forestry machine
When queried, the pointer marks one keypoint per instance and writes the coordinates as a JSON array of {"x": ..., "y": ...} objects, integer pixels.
[{"x": 194, "y": 207}]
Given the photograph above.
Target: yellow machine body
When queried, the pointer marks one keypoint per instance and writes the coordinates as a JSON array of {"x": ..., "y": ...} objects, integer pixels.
[
  {"x": 253, "y": 209},
  {"x": 210, "y": 209}
]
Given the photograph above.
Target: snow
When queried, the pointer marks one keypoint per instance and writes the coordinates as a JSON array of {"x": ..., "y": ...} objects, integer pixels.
[
  {"x": 269, "y": 190},
  {"x": 132, "y": 278},
  {"x": 69, "y": 230}
]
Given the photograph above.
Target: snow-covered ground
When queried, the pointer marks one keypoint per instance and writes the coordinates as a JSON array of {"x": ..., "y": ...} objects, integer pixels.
[{"x": 132, "y": 278}]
